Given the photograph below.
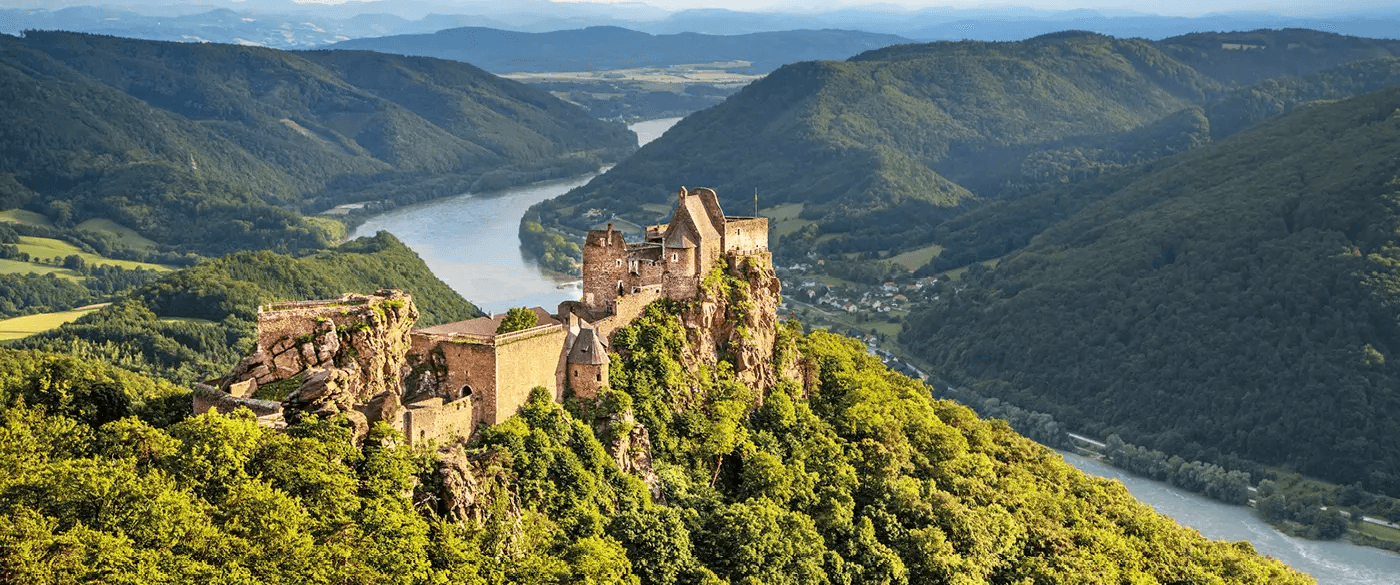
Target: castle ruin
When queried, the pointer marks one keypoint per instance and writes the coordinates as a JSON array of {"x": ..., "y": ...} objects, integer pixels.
[{"x": 359, "y": 355}]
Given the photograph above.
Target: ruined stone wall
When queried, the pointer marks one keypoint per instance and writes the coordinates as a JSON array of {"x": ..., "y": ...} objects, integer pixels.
[
  {"x": 206, "y": 397},
  {"x": 524, "y": 360},
  {"x": 473, "y": 365},
  {"x": 604, "y": 264},
  {"x": 432, "y": 419},
  {"x": 284, "y": 321},
  {"x": 354, "y": 347},
  {"x": 627, "y": 308},
  {"x": 648, "y": 271},
  {"x": 710, "y": 200},
  {"x": 746, "y": 234}
]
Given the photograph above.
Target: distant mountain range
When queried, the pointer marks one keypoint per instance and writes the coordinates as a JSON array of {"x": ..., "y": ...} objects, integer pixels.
[
  {"x": 608, "y": 47},
  {"x": 305, "y": 25}
]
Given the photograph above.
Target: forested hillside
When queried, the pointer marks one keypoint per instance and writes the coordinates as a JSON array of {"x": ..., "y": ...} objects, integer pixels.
[
  {"x": 194, "y": 324},
  {"x": 860, "y": 478},
  {"x": 884, "y": 147},
  {"x": 216, "y": 148},
  {"x": 1236, "y": 300}
]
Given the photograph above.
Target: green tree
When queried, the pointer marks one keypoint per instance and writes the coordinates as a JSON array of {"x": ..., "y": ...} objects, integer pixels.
[{"x": 518, "y": 319}]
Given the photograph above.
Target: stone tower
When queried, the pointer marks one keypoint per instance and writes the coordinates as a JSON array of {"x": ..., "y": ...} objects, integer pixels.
[{"x": 588, "y": 365}]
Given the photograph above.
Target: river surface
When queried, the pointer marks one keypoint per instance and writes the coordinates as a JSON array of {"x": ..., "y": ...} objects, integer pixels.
[
  {"x": 1330, "y": 562},
  {"x": 472, "y": 241}
]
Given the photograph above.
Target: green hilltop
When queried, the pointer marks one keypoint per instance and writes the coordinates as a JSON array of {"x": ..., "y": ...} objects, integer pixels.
[
  {"x": 1235, "y": 301},
  {"x": 215, "y": 148},
  {"x": 882, "y": 148},
  {"x": 859, "y": 478}
]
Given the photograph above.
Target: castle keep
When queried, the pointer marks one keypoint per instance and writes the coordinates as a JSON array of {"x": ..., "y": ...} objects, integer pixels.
[
  {"x": 673, "y": 258},
  {"x": 359, "y": 355}
]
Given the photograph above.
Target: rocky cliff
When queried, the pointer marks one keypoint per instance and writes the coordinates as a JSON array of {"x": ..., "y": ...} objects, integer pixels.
[
  {"x": 344, "y": 356},
  {"x": 736, "y": 317}
]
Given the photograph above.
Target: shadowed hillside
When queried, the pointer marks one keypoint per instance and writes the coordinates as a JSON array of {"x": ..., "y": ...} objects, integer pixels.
[
  {"x": 1238, "y": 299},
  {"x": 218, "y": 147}
]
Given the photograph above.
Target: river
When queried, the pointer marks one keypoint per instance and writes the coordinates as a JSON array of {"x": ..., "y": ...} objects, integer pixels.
[
  {"x": 1330, "y": 562},
  {"x": 472, "y": 242}
]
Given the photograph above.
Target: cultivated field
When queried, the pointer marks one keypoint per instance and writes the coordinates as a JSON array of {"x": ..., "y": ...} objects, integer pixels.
[{"x": 30, "y": 324}]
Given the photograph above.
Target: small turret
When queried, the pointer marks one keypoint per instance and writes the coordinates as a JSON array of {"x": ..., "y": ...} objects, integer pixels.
[{"x": 588, "y": 364}]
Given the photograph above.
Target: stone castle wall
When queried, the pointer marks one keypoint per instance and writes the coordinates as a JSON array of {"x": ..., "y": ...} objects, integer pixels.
[
  {"x": 432, "y": 419},
  {"x": 471, "y": 367},
  {"x": 745, "y": 234},
  {"x": 605, "y": 255},
  {"x": 524, "y": 360},
  {"x": 499, "y": 371}
]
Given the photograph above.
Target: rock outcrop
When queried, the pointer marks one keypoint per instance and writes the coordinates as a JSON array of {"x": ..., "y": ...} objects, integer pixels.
[
  {"x": 336, "y": 356},
  {"x": 629, "y": 444},
  {"x": 738, "y": 318},
  {"x": 468, "y": 485}
]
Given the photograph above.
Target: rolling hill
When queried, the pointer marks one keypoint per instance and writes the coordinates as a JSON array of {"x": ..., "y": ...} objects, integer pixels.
[
  {"x": 1193, "y": 263},
  {"x": 1238, "y": 300},
  {"x": 217, "y": 147},
  {"x": 882, "y": 148}
]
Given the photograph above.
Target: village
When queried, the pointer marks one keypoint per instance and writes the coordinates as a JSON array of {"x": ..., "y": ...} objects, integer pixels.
[{"x": 870, "y": 313}]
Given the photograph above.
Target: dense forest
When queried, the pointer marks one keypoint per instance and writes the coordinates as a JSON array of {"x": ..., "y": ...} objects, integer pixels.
[
  {"x": 194, "y": 324},
  {"x": 884, "y": 148},
  {"x": 216, "y": 148},
  {"x": 1238, "y": 300},
  {"x": 859, "y": 478}
]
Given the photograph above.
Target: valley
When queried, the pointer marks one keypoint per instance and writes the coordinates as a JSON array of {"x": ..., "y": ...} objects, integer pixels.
[{"x": 1180, "y": 254}]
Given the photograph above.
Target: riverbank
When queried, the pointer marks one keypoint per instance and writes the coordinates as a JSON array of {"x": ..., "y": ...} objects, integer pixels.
[
  {"x": 427, "y": 190},
  {"x": 472, "y": 242},
  {"x": 1330, "y": 562},
  {"x": 556, "y": 246}
]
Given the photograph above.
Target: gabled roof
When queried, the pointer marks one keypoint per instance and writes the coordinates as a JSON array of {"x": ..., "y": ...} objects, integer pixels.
[
  {"x": 691, "y": 216},
  {"x": 588, "y": 349},
  {"x": 679, "y": 239}
]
